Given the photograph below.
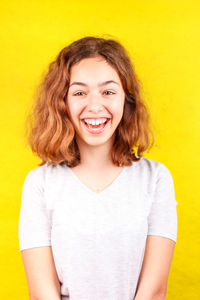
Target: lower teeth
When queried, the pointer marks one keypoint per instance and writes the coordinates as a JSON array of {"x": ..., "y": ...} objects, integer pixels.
[{"x": 95, "y": 127}]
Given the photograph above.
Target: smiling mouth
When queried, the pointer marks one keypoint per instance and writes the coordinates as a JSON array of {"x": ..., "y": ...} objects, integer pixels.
[{"x": 96, "y": 129}]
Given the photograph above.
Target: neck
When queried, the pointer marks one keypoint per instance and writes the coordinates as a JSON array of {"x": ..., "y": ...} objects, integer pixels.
[{"x": 95, "y": 157}]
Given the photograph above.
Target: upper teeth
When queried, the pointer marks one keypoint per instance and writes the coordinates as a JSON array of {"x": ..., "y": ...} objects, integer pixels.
[{"x": 95, "y": 121}]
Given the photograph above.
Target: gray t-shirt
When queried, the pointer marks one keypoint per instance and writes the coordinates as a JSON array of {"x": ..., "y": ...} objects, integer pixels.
[{"x": 97, "y": 239}]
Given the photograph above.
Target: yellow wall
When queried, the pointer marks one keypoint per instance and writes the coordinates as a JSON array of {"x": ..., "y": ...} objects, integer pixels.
[{"x": 162, "y": 38}]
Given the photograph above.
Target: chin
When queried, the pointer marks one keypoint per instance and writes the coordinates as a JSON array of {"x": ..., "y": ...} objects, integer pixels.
[{"x": 96, "y": 141}]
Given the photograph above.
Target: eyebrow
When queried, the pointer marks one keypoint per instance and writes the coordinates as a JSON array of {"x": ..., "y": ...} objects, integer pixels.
[{"x": 100, "y": 84}]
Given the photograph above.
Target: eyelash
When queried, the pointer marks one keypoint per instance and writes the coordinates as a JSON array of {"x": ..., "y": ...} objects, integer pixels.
[{"x": 82, "y": 92}]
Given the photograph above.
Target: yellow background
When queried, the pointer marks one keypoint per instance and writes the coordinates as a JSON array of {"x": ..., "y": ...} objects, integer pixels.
[{"x": 163, "y": 40}]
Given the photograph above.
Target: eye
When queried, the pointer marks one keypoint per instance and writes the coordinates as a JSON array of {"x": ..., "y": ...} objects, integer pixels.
[
  {"x": 78, "y": 94},
  {"x": 109, "y": 92}
]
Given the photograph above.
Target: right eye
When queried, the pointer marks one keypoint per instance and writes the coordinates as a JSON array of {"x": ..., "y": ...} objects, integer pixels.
[{"x": 78, "y": 94}]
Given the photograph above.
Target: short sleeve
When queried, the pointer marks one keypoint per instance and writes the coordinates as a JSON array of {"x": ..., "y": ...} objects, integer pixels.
[
  {"x": 34, "y": 225},
  {"x": 162, "y": 219}
]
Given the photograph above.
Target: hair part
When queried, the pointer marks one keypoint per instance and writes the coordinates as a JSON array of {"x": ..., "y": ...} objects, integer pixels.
[{"x": 51, "y": 134}]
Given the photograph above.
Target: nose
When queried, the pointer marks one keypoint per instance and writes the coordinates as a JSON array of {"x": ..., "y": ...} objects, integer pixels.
[
  {"x": 95, "y": 108},
  {"x": 95, "y": 103}
]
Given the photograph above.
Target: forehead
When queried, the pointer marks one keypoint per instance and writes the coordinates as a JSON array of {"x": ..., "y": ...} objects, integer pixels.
[{"x": 96, "y": 68}]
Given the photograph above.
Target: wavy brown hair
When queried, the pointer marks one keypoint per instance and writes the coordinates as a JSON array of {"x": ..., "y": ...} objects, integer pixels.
[{"x": 50, "y": 132}]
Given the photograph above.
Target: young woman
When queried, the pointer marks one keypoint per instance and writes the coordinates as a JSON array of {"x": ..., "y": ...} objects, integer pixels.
[{"x": 97, "y": 220}]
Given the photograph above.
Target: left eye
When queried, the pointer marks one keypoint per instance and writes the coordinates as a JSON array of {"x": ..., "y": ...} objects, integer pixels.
[{"x": 109, "y": 92}]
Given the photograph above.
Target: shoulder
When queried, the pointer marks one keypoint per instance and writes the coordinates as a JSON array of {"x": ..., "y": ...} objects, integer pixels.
[
  {"x": 153, "y": 172},
  {"x": 39, "y": 175},
  {"x": 153, "y": 167},
  {"x": 36, "y": 175}
]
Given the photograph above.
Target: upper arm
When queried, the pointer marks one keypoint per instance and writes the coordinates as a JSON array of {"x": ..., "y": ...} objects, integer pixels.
[
  {"x": 42, "y": 279},
  {"x": 161, "y": 237},
  {"x": 35, "y": 240},
  {"x": 155, "y": 268},
  {"x": 34, "y": 219}
]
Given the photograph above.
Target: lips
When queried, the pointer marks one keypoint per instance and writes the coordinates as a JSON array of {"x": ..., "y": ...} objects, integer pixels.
[{"x": 103, "y": 117}]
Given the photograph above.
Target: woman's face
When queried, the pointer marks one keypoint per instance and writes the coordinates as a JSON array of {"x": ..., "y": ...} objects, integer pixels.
[{"x": 95, "y": 95}]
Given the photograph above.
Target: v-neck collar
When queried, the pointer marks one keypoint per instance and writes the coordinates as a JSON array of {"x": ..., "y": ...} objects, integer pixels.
[{"x": 105, "y": 190}]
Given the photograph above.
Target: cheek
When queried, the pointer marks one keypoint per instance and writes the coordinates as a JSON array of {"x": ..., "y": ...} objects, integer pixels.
[
  {"x": 116, "y": 108},
  {"x": 74, "y": 108}
]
